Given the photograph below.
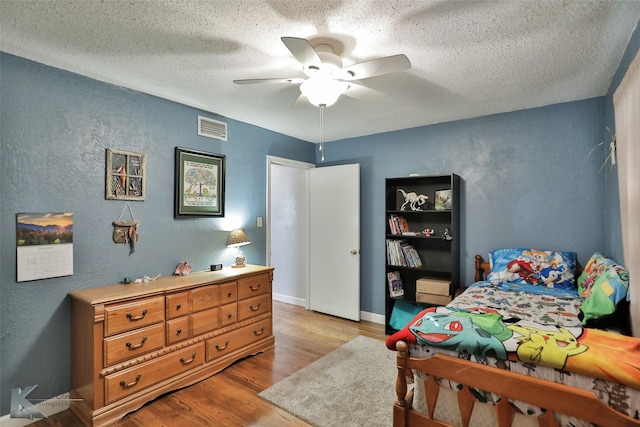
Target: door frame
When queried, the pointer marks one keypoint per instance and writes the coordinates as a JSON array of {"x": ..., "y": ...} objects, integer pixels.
[{"x": 273, "y": 160}]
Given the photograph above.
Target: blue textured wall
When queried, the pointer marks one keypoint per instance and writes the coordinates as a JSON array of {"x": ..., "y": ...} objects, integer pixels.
[
  {"x": 55, "y": 128},
  {"x": 527, "y": 181}
]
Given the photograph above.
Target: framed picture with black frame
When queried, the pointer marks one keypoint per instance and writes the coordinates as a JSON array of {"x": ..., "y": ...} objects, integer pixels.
[{"x": 199, "y": 184}]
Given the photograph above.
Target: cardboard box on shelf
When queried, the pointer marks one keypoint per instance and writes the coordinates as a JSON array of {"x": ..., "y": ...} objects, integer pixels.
[
  {"x": 427, "y": 298},
  {"x": 430, "y": 285}
]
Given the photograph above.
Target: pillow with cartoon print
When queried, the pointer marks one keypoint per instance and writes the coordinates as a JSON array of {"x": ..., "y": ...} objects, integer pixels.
[
  {"x": 553, "y": 270},
  {"x": 602, "y": 285}
]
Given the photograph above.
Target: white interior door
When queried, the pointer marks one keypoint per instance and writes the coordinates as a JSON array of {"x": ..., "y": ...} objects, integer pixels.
[{"x": 334, "y": 286}]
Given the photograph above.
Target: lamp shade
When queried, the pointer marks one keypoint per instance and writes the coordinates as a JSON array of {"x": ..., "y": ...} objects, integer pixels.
[{"x": 237, "y": 238}]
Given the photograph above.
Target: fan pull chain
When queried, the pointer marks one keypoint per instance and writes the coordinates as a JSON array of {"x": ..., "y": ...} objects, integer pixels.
[{"x": 322, "y": 133}]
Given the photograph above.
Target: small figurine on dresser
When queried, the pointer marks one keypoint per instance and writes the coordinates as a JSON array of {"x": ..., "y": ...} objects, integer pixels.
[{"x": 183, "y": 269}]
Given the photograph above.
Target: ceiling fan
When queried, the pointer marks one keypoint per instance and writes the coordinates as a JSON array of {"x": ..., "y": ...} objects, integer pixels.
[{"x": 326, "y": 78}]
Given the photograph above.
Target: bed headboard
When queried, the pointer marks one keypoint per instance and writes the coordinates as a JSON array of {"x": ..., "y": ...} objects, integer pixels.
[{"x": 482, "y": 268}]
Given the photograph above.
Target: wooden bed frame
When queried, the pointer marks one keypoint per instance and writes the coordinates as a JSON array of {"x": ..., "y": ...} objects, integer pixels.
[{"x": 554, "y": 397}]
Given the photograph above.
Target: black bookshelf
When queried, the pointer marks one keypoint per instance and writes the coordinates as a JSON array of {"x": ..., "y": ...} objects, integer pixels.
[{"x": 438, "y": 253}]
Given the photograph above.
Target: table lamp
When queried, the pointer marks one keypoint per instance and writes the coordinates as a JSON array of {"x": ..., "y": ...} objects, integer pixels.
[{"x": 236, "y": 239}]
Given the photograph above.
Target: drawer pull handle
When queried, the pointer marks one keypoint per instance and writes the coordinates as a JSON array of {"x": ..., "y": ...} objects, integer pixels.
[
  {"x": 179, "y": 331},
  {"x": 133, "y": 347},
  {"x": 186, "y": 362},
  {"x": 256, "y": 333},
  {"x": 125, "y": 385},
  {"x": 229, "y": 316},
  {"x": 178, "y": 307},
  {"x": 256, "y": 308},
  {"x": 251, "y": 287},
  {"x": 228, "y": 294},
  {"x": 226, "y": 344},
  {"x": 133, "y": 319}
]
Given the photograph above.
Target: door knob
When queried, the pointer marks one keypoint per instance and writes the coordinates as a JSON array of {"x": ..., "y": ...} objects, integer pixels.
[{"x": 354, "y": 252}]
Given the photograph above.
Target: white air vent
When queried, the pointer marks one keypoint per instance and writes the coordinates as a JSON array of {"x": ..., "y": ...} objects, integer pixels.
[{"x": 212, "y": 128}]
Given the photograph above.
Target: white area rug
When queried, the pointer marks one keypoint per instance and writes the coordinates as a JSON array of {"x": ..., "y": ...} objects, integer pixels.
[{"x": 353, "y": 385}]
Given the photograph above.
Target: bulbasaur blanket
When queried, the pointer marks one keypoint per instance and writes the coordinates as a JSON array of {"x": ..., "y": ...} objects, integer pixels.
[{"x": 589, "y": 352}]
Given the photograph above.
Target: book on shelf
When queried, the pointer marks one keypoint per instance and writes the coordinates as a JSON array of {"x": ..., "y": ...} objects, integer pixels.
[
  {"x": 411, "y": 255},
  {"x": 396, "y": 288},
  {"x": 393, "y": 256},
  {"x": 406, "y": 248},
  {"x": 402, "y": 254},
  {"x": 398, "y": 225}
]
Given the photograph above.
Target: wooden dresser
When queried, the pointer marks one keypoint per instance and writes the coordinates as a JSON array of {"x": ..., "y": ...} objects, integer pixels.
[{"x": 132, "y": 343}]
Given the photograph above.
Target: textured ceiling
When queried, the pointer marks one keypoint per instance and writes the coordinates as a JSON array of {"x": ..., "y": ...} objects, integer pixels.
[{"x": 469, "y": 58}]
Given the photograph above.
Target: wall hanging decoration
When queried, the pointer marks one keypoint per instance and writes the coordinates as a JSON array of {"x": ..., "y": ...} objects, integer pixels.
[
  {"x": 199, "y": 184},
  {"x": 44, "y": 245},
  {"x": 126, "y": 175},
  {"x": 610, "y": 150},
  {"x": 126, "y": 231}
]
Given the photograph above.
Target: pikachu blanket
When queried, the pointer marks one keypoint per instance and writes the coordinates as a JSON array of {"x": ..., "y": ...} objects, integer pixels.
[{"x": 589, "y": 352}]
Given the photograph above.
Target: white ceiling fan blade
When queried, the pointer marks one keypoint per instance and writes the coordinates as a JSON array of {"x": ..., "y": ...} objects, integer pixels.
[
  {"x": 254, "y": 81},
  {"x": 376, "y": 67},
  {"x": 300, "y": 102},
  {"x": 363, "y": 93},
  {"x": 302, "y": 50}
]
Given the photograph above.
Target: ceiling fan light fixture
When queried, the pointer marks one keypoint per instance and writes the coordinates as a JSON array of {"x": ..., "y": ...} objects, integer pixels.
[
  {"x": 326, "y": 76},
  {"x": 322, "y": 90}
]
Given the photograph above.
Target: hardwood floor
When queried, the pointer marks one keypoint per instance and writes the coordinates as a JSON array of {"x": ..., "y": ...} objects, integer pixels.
[{"x": 230, "y": 398}]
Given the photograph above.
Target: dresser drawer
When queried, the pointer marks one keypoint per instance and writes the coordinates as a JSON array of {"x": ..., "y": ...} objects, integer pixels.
[
  {"x": 133, "y": 344},
  {"x": 178, "y": 305},
  {"x": 229, "y": 314},
  {"x": 139, "y": 377},
  {"x": 131, "y": 315},
  {"x": 204, "y": 297},
  {"x": 253, "y": 286},
  {"x": 234, "y": 340},
  {"x": 253, "y": 306},
  {"x": 177, "y": 330},
  {"x": 228, "y": 293},
  {"x": 205, "y": 321}
]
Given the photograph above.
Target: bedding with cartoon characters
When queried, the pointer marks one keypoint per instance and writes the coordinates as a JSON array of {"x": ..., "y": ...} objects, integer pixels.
[{"x": 530, "y": 317}]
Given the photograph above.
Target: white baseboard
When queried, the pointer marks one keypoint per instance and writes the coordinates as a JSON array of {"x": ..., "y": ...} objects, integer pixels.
[
  {"x": 289, "y": 299},
  {"x": 372, "y": 317},
  {"x": 364, "y": 315},
  {"x": 47, "y": 407}
]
